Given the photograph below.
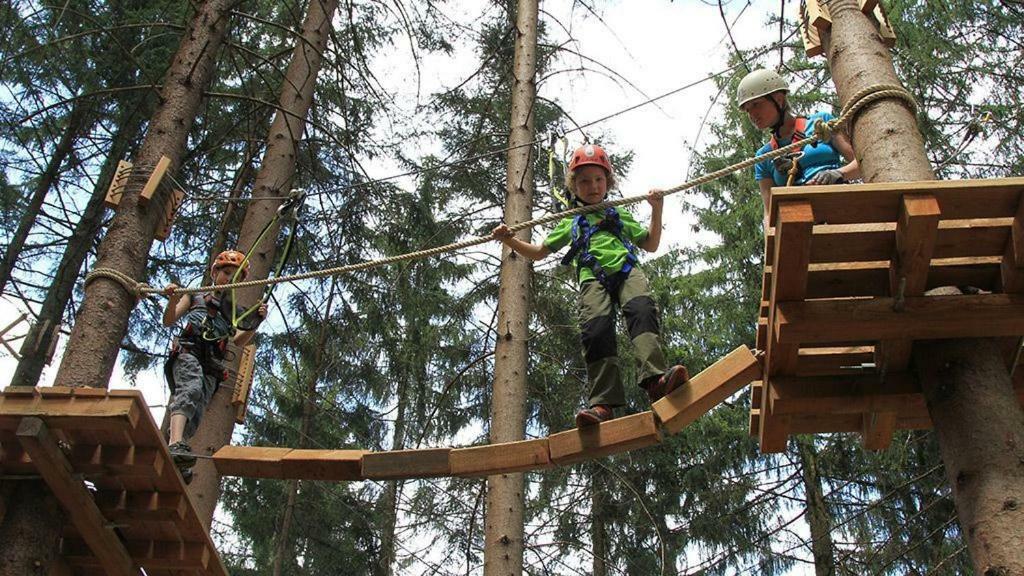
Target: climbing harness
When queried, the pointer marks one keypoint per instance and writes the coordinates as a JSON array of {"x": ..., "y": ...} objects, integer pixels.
[
  {"x": 583, "y": 231},
  {"x": 822, "y": 133}
]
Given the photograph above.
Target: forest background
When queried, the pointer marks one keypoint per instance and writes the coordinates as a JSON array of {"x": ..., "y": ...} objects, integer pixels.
[{"x": 400, "y": 357}]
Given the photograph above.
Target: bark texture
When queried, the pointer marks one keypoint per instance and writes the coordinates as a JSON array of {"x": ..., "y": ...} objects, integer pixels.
[
  {"x": 103, "y": 317},
  {"x": 977, "y": 419},
  {"x": 503, "y": 531},
  {"x": 818, "y": 517},
  {"x": 274, "y": 179}
]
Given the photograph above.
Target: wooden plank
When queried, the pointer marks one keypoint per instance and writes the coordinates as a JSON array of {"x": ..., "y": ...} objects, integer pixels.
[
  {"x": 789, "y": 278},
  {"x": 243, "y": 382},
  {"x": 810, "y": 35},
  {"x": 818, "y": 15},
  {"x": 877, "y": 429},
  {"x": 611, "y": 437},
  {"x": 21, "y": 391},
  {"x": 756, "y": 390},
  {"x": 926, "y": 317},
  {"x": 121, "y": 506},
  {"x": 915, "y": 241},
  {"x": 75, "y": 413},
  {"x": 834, "y": 360},
  {"x": 150, "y": 554},
  {"x": 401, "y": 464},
  {"x": 706, "y": 390},
  {"x": 880, "y": 201},
  {"x": 885, "y": 30},
  {"x": 900, "y": 393},
  {"x": 116, "y": 188},
  {"x": 73, "y": 496},
  {"x": 502, "y": 458},
  {"x": 867, "y": 6},
  {"x": 333, "y": 465},
  {"x": 754, "y": 426},
  {"x": 155, "y": 177},
  {"x": 250, "y": 461},
  {"x": 1011, "y": 269},
  {"x": 839, "y": 280},
  {"x": 170, "y": 210},
  {"x": 117, "y": 460}
]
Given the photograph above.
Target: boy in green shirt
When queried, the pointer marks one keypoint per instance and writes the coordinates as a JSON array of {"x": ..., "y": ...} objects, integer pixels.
[{"x": 603, "y": 245}]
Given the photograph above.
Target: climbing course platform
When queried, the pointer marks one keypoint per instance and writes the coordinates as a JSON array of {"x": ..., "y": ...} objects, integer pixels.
[
  {"x": 103, "y": 457},
  {"x": 843, "y": 299},
  {"x": 667, "y": 416}
]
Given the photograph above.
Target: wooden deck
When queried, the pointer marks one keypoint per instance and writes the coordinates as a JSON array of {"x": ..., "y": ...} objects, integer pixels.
[
  {"x": 843, "y": 299},
  {"x": 104, "y": 458}
]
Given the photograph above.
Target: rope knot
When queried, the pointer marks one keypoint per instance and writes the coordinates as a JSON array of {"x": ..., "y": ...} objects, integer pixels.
[
  {"x": 822, "y": 131},
  {"x": 140, "y": 290}
]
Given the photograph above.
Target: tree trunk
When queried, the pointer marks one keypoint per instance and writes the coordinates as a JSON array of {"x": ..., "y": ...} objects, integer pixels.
[
  {"x": 598, "y": 522},
  {"x": 818, "y": 517},
  {"x": 392, "y": 490},
  {"x": 503, "y": 533},
  {"x": 978, "y": 422},
  {"x": 103, "y": 318},
  {"x": 75, "y": 126},
  {"x": 282, "y": 547},
  {"x": 41, "y": 336},
  {"x": 273, "y": 179}
]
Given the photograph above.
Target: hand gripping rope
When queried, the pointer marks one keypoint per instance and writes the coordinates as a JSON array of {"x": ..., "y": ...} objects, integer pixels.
[{"x": 822, "y": 133}]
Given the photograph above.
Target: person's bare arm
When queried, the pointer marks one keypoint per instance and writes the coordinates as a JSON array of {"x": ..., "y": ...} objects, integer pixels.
[
  {"x": 653, "y": 240},
  {"x": 533, "y": 252},
  {"x": 177, "y": 304}
]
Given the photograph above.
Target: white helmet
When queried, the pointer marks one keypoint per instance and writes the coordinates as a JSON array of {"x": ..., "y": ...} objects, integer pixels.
[{"x": 758, "y": 84}]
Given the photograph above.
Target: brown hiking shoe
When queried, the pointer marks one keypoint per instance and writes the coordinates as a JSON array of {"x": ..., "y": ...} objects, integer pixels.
[
  {"x": 593, "y": 415},
  {"x": 672, "y": 380}
]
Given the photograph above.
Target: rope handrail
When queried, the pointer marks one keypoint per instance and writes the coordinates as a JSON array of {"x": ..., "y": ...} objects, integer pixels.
[{"x": 822, "y": 132}]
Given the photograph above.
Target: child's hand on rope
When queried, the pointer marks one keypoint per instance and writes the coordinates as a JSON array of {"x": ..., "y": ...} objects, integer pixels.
[
  {"x": 501, "y": 232},
  {"x": 262, "y": 311},
  {"x": 171, "y": 291},
  {"x": 656, "y": 198}
]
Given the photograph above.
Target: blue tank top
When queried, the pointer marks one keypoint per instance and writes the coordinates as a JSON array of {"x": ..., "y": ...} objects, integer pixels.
[{"x": 822, "y": 156}]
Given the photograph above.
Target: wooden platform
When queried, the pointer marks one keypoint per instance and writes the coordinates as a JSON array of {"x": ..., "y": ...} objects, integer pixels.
[
  {"x": 846, "y": 272},
  {"x": 668, "y": 415},
  {"x": 103, "y": 457}
]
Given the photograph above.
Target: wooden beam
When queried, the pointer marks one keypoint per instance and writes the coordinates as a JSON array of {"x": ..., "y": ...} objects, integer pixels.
[
  {"x": 501, "y": 458},
  {"x": 243, "y": 382},
  {"x": 878, "y": 428},
  {"x": 81, "y": 508},
  {"x": 811, "y": 36},
  {"x": 867, "y": 6},
  {"x": 834, "y": 360},
  {"x": 79, "y": 413},
  {"x": 152, "y": 555},
  {"x": 706, "y": 390},
  {"x": 754, "y": 426},
  {"x": 332, "y": 465},
  {"x": 915, "y": 242},
  {"x": 250, "y": 461},
  {"x": 117, "y": 460},
  {"x": 900, "y": 393},
  {"x": 885, "y": 30},
  {"x": 880, "y": 201},
  {"x": 1011, "y": 269},
  {"x": 150, "y": 506},
  {"x": 155, "y": 177},
  {"x": 170, "y": 209},
  {"x": 611, "y": 437},
  {"x": 789, "y": 278},
  {"x": 401, "y": 464},
  {"x": 818, "y": 16},
  {"x": 877, "y": 241},
  {"x": 926, "y": 317}
]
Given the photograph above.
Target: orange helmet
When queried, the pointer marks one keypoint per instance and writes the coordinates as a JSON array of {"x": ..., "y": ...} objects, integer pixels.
[
  {"x": 590, "y": 154},
  {"x": 230, "y": 258}
]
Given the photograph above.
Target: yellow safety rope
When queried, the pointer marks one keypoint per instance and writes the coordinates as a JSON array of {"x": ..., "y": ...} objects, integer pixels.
[{"x": 822, "y": 133}]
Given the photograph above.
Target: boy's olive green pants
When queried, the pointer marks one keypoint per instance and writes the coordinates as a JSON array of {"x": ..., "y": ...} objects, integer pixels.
[{"x": 597, "y": 327}]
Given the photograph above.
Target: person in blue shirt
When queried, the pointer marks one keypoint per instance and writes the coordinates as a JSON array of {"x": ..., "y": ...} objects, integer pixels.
[{"x": 762, "y": 94}]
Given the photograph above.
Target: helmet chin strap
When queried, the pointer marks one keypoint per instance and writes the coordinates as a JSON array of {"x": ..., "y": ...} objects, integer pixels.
[{"x": 777, "y": 127}]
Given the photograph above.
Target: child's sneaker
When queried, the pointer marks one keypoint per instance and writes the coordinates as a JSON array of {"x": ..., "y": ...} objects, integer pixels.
[
  {"x": 672, "y": 380},
  {"x": 593, "y": 415},
  {"x": 183, "y": 458}
]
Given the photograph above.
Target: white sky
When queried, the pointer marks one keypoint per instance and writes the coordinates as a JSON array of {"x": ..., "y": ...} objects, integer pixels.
[{"x": 657, "y": 45}]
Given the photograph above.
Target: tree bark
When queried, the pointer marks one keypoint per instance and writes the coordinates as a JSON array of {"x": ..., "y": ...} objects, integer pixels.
[
  {"x": 75, "y": 126},
  {"x": 503, "y": 533},
  {"x": 273, "y": 180},
  {"x": 103, "y": 318},
  {"x": 41, "y": 336},
  {"x": 818, "y": 517},
  {"x": 392, "y": 490},
  {"x": 978, "y": 422}
]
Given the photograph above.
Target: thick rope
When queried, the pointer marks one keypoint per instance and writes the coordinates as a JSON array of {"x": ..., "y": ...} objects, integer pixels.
[{"x": 822, "y": 133}]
